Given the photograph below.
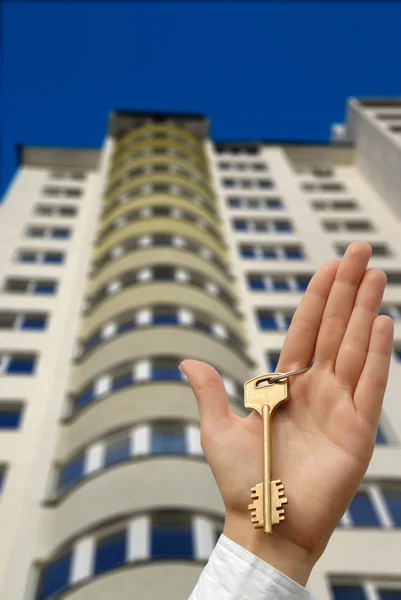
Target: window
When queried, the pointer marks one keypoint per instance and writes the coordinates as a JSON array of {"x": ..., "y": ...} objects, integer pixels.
[
  {"x": 293, "y": 253},
  {"x": 283, "y": 226},
  {"x": 348, "y": 593},
  {"x": 247, "y": 252},
  {"x": 270, "y": 253},
  {"x": 27, "y": 257},
  {"x": 165, "y": 369},
  {"x": 73, "y": 192},
  {"x": 390, "y": 594},
  {"x": 256, "y": 282},
  {"x": 395, "y": 128},
  {"x": 165, "y": 316},
  {"x": 380, "y": 437},
  {"x": 118, "y": 450},
  {"x": 240, "y": 225},
  {"x": 55, "y": 577},
  {"x": 389, "y": 116},
  {"x": 274, "y": 204},
  {"x": 67, "y": 211},
  {"x": 45, "y": 287},
  {"x": 3, "y": 472},
  {"x": 34, "y": 321},
  {"x": 362, "y": 511},
  {"x": 394, "y": 278},
  {"x": 272, "y": 360},
  {"x": 17, "y": 285},
  {"x": 110, "y": 552},
  {"x": 43, "y": 210},
  {"x": 60, "y": 234},
  {"x": 171, "y": 536},
  {"x": 267, "y": 320},
  {"x": 72, "y": 472},
  {"x": 168, "y": 438},
  {"x": 7, "y": 320},
  {"x": 21, "y": 364},
  {"x": 54, "y": 258},
  {"x": 84, "y": 397},
  {"x": 397, "y": 353},
  {"x": 358, "y": 226},
  {"x": 280, "y": 284},
  {"x": 392, "y": 498},
  {"x": 234, "y": 202},
  {"x": 323, "y": 172},
  {"x": 122, "y": 378},
  {"x": 10, "y": 415},
  {"x": 36, "y": 232},
  {"x": 265, "y": 184}
]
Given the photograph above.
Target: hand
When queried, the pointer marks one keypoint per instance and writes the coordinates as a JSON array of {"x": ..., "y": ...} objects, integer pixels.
[{"x": 323, "y": 437}]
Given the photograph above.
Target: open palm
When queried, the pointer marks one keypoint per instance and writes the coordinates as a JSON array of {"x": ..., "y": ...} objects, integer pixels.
[{"x": 323, "y": 437}]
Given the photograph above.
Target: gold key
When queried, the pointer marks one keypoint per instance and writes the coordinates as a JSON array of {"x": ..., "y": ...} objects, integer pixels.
[{"x": 268, "y": 497}]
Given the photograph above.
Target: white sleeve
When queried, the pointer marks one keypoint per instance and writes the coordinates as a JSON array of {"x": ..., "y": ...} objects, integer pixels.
[{"x": 234, "y": 573}]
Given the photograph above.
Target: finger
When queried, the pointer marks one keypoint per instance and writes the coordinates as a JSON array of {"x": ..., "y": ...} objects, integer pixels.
[
  {"x": 341, "y": 302},
  {"x": 355, "y": 343},
  {"x": 208, "y": 387},
  {"x": 369, "y": 393},
  {"x": 301, "y": 338}
]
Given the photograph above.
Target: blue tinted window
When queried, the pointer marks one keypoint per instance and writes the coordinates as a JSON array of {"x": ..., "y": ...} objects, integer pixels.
[
  {"x": 348, "y": 593},
  {"x": 10, "y": 418},
  {"x": 21, "y": 365},
  {"x": 273, "y": 362},
  {"x": 287, "y": 320},
  {"x": 269, "y": 253},
  {"x": 53, "y": 258},
  {"x": 84, "y": 397},
  {"x": 36, "y": 322},
  {"x": 118, "y": 451},
  {"x": 280, "y": 285},
  {"x": 362, "y": 511},
  {"x": 71, "y": 473},
  {"x": 228, "y": 183},
  {"x": 60, "y": 234},
  {"x": 267, "y": 321},
  {"x": 122, "y": 381},
  {"x": 169, "y": 439},
  {"x": 44, "y": 287},
  {"x": 293, "y": 253},
  {"x": 283, "y": 226},
  {"x": 393, "y": 501},
  {"x": 55, "y": 577},
  {"x": 165, "y": 319},
  {"x": 234, "y": 203},
  {"x": 380, "y": 439},
  {"x": 247, "y": 252},
  {"x": 302, "y": 283},
  {"x": 390, "y": 594},
  {"x": 240, "y": 226},
  {"x": 166, "y": 372},
  {"x": 397, "y": 353},
  {"x": 111, "y": 553},
  {"x": 256, "y": 283},
  {"x": 126, "y": 326},
  {"x": 274, "y": 204},
  {"x": 93, "y": 341},
  {"x": 170, "y": 540}
]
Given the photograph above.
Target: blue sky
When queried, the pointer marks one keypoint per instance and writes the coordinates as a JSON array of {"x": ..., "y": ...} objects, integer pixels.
[{"x": 257, "y": 70}]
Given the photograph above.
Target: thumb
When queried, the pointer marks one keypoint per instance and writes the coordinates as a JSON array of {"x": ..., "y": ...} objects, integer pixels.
[{"x": 208, "y": 387}]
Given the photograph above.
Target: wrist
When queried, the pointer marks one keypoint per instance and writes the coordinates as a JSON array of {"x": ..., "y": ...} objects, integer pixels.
[{"x": 285, "y": 556}]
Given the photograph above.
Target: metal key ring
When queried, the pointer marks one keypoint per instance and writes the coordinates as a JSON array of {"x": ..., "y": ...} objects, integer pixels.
[{"x": 284, "y": 375}]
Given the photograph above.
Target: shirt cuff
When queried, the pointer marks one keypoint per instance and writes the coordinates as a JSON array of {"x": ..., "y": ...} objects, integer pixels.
[{"x": 234, "y": 573}]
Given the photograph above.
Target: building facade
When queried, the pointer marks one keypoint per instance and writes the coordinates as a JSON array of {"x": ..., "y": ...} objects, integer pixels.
[{"x": 118, "y": 263}]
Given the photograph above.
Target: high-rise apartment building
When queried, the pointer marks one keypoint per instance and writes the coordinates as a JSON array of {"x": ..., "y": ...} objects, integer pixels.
[{"x": 118, "y": 263}]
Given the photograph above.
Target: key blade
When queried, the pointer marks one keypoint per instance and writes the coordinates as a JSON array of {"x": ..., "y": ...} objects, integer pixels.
[
  {"x": 277, "y": 501},
  {"x": 255, "y": 397},
  {"x": 256, "y": 508}
]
